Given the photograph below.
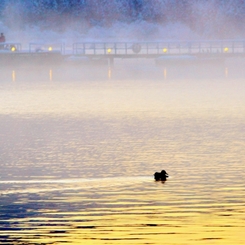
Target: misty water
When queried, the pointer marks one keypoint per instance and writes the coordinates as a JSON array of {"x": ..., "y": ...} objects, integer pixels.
[{"x": 79, "y": 146}]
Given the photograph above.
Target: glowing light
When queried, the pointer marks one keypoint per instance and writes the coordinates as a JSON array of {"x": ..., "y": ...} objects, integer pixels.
[
  {"x": 50, "y": 48},
  {"x": 226, "y": 49},
  {"x": 13, "y": 48},
  {"x": 164, "y": 50},
  {"x": 108, "y": 50}
]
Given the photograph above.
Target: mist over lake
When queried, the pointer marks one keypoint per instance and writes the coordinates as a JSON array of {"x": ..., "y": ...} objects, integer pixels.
[{"x": 82, "y": 135}]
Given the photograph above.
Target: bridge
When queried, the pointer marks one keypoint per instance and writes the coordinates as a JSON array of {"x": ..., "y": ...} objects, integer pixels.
[
  {"x": 162, "y": 51},
  {"x": 155, "y": 49}
]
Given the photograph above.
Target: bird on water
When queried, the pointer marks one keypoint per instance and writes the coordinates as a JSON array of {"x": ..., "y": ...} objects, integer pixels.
[{"x": 163, "y": 175}]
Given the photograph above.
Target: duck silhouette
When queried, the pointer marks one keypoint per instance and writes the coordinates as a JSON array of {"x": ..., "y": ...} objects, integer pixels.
[{"x": 163, "y": 175}]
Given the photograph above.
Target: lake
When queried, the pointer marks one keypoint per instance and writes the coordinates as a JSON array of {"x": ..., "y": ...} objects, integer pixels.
[{"x": 79, "y": 147}]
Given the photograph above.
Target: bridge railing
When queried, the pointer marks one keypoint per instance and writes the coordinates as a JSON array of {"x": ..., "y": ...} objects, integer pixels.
[
  {"x": 158, "y": 48},
  {"x": 8, "y": 47},
  {"x": 47, "y": 47},
  {"x": 132, "y": 49}
]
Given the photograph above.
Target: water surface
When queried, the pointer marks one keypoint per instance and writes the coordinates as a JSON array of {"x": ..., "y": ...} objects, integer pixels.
[{"x": 77, "y": 159}]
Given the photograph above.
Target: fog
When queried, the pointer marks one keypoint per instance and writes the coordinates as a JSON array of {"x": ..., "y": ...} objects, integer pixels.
[
  {"x": 142, "y": 21},
  {"x": 123, "y": 20},
  {"x": 81, "y": 137}
]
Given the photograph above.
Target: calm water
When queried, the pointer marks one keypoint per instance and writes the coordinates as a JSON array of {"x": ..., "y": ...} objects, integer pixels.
[{"x": 77, "y": 159}]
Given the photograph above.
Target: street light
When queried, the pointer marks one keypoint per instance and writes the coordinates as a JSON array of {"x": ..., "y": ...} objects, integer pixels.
[
  {"x": 13, "y": 48},
  {"x": 226, "y": 49}
]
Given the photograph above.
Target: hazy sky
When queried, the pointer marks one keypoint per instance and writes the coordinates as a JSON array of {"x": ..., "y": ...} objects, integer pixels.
[{"x": 139, "y": 19}]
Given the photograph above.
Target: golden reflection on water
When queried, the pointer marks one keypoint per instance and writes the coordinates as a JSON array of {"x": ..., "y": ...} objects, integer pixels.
[
  {"x": 109, "y": 72},
  {"x": 165, "y": 73},
  {"x": 13, "y": 76},
  {"x": 50, "y": 75},
  {"x": 226, "y": 72},
  {"x": 77, "y": 162},
  {"x": 130, "y": 211}
]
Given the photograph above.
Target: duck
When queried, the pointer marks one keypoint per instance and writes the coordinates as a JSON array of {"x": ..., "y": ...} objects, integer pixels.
[{"x": 163, "y": 175}]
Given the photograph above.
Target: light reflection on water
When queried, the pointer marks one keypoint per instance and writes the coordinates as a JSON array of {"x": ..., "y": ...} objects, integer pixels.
[
  {"x": 77, "y": 161},
  {"x": 134, "y": 211}
]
